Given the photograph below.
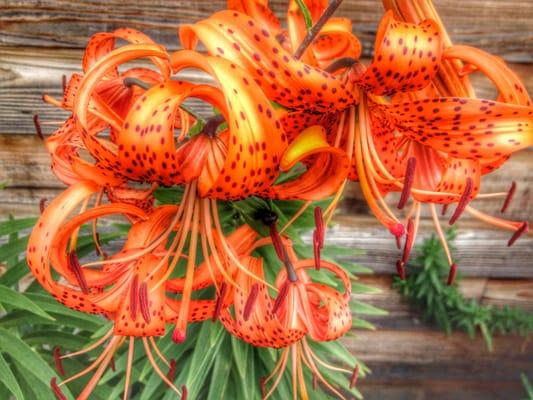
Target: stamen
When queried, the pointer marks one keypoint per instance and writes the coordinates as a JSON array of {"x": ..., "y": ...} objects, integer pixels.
[
  {"x": 220, "y": 301},
  {"x": 315, "y": 382},
  {"x": 340, "y": 63},
  {"x": 262, "y": 386},
  {"x": 408, "y": 241},
  {"x": 75, "y": 267},
  {"x": 524, "y": 228},
  {"x": 212, "y": 124},
  {"x": 57, "y": 359},
  {"x": 112, "y": 363},
  {"x": 184, "y": 392},
  {"x": 276, "y": 242},
  {"x": 171, "y": 370},
  {"x": 319, "y": 223},
  {"x": 282, "y": 295},
  {"x": 407, "y": 182},
  {"x": 316, "y": 249},
  {"x": 463, "y": 201},
  {"x": 250, "y": 302},
  {"x": 38, "y": 129},
  {"x": 452, "y": 274},
  {"x": 509, "y": 197},
  {"x": 398, "y": 242},
  {"x": 131, "y": 81},
  {"x": 64, "y": 83},
  {"x": 42, "y": 204},
  {"x": 56, "y": 389},
  {"x": 400, "y": 268},
  {"x": 143, "y": 302},
  {"x": 355, "y": 375},
  {"x": 134, "y": 296},
  {"x": 444, "y": 209}
]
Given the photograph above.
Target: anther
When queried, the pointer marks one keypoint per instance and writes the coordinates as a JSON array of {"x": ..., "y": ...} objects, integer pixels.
[
  {"x": 407, "y": 182},
  {"x": 57, "y": 390},
  {"x": 524, "y": 228},
  {"x": 42, "y": 204},
  {"x": 250, "y": 302},
  {"x": 220, "y": 301},
  {"x": 315, "y": 382},
  {"x": 37, "y": 124},
  {"x": 509, "y": 198},
  {"x": 408, "y": 241},
  {"x": 64, "y": 83},
  {"x": 57, "y": 359},
  {"x": 134, "y": 295},
  {"x": 463, "y": 201},
  {"x": 400, "y": 268},
  {"x": 319, "y": 224},
  {"x": 143, "y": 302},
  {"x": 184, "y": 392},
  {"x": 316, "y": 250},
  {"x": 75, "y": 267},
  {"x": 282, "y": 295},
  {"x": 171, "y": 370},
  {"x": 262, "y": 386},
  {"x": 355, "y": 375},
  {"x": 341, "y": 63},
  {"x": 112, "y": 364},
  {"x": 444, "y": 209},
  {"x": 451, "y": 274}
]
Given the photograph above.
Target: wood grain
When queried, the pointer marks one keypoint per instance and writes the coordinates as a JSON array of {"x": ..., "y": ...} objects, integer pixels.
[{"x": 67, "y": 24}]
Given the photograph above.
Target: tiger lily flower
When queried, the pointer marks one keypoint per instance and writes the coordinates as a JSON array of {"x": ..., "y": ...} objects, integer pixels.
[
  {"x": 417, "y": 143},
  {"x": 129, "y": 289}
]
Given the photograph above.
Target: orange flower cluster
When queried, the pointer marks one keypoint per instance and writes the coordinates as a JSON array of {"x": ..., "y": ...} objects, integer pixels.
[{"x": 409, "y": 123}]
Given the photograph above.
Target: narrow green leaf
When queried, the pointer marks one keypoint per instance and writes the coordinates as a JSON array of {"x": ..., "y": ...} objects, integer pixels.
[
  {"x": 16, "y": 225},
  {"x": 362, "y": 308},
  {"x": 22, "y": 302},
  {"x": 221, "y": 370},
  {"x": 8, "y": 379}
]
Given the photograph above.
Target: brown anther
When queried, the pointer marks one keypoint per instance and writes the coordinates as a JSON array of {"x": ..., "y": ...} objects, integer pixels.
[
  {"x": 250, "y": 302},
  {"x": 64, "y": 83},
  {"x": 220, "y": 301},
  {"x": 37, "y": 124},
  {"x": 184, "y": 392},
  {"x": 400, "y": 268},
  {"x": 134, "y": 295},
  {"x": 262, "y": 386},
  {"x": 57, "y": 359},
  {"x": 509, "y": 198},
  {"x": 340, "y": 63},
  {"x": 75, "y": 267},
  {"x": 410, "y": 237},
  {"x": 451, "y": 274},
  {"x": 276, "y": 242},
  {"x": 42, "y": 204},
  {"x": 112, "y": 364},
  {"x": 463, "y": 201},
  {"x": 407, "y": 182},
  {"x": 282, "y": 295},
  {"x": 143, "y": 302},
  {"x": 171, "y": 370},
  {"x": 316, "y": 250},
  {"x": 444, "y": 209},
  {"x": 315, "y": 382},
  {"x": 319, "y": 224},
  {"x": 56, "y": 389},
  {"x": 355, "y": 375},
  {"x": 524, "y": 228}
]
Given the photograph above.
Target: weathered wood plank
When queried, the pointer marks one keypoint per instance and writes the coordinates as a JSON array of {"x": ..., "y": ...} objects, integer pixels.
[
  {"x": 403, "y": 316},
  {"x": 429, "y": 364},
  {"x": 52, "y": 23}
]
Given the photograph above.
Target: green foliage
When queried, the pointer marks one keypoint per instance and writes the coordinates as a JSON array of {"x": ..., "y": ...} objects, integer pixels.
[
  {"x": 527, "y": 386},
  {"x": 210, "y": 362},
  {"x": 426, "y": 287},
  {"x": 306, "y": 13}
]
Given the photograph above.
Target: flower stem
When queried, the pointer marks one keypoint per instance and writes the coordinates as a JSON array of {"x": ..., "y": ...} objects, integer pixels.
[{"x": 313, "y": 32}]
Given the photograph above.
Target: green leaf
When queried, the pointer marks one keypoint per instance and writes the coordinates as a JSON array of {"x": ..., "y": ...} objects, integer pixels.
[
  {"x": 221, "y": 370},
  {"x": 16, "y": 225},
  {"x": 241, "y": 351},
  {"x": 25, "y": 355},
  {"x": 20, "y": 301},
  {"x": 362, "y": 308},
  {"x": 8, "y": 379}
]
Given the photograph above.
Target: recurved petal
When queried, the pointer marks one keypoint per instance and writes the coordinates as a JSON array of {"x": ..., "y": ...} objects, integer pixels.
[
  {"x": 279, "y": 75},
  {"x": 464, "y": 128},
  {"x": 406, "y": 56}
]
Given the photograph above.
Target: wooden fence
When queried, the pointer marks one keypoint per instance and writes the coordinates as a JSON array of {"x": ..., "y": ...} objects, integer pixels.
[{"x": 42, "y": 40}]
